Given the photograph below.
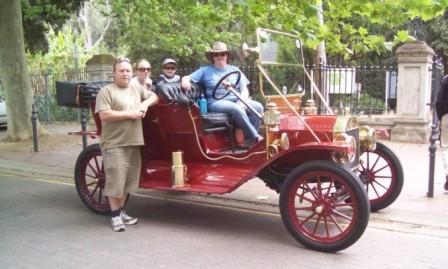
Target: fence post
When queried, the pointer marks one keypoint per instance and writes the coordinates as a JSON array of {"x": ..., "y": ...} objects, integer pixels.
[
  {"x": 436, "y": 73},
  {"x": 84, "y": 127},
  {"x": 34, "y": 111},
  {"x": 47, "y": 97}
]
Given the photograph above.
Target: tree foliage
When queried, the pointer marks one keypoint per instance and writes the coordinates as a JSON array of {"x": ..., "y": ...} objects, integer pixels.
[
  {"x": 186, "y": 28},
  {"x": 38, "y": 15}
]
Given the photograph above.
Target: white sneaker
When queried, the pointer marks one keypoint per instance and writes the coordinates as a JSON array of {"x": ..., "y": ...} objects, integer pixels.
[
  {"x": 128, "y": 220},
  {"x": 117, "y": 224}
]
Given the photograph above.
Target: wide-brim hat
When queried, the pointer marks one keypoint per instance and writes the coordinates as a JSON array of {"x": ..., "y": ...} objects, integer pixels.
[
  {"x": 217, "y": 47},
  {"x": 169, "y": 61}
]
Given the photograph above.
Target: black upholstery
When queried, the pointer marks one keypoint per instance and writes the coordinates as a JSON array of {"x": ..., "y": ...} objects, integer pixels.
[{"x": 174, "y": 94}]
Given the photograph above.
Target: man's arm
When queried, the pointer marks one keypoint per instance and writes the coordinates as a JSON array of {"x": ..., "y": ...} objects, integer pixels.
[
  {"x": 111, "y": 115},
  {"x": 186, "y": 83},
  {"x": 152, "y": 100}
]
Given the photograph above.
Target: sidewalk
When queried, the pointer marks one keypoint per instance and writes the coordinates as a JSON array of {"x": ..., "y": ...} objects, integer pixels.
[{"x": 411, "y": 212}]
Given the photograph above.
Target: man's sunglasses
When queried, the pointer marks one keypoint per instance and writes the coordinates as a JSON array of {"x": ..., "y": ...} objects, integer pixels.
[
  {"x": 169, "y": 67},
  {"x": 219, "y": 54},
  {"x": 143, "y": 69}
]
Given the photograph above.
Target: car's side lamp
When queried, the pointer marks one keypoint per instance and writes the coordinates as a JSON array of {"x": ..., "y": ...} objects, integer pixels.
[{"x": 247, "y": 50}]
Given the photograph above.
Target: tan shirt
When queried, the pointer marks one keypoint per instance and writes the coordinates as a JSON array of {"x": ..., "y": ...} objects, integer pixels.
[{"x": 126, "y": 132}]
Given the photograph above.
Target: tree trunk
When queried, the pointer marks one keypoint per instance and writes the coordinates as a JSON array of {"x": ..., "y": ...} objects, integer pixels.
[{"x": 14, "y": 72}]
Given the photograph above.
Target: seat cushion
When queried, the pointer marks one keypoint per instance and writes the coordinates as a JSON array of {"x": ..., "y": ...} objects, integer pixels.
[{"x": 214, "y": 120}]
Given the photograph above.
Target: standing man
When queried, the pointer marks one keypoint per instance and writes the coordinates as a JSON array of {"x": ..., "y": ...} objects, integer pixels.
[
  {"x": 442, "y": 115},
  {"x": 121, "y": 107}
]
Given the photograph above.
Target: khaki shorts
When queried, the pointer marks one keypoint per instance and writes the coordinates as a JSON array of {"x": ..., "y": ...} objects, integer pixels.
[
  {"x": 444, "y": 131},
  {"x": 122, "y": 169}
]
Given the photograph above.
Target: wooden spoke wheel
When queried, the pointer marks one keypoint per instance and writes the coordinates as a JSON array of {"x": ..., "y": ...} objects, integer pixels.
[{"x": 324, "y": 206}]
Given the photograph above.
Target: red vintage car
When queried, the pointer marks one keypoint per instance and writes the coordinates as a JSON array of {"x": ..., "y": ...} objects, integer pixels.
[{"x": 321, "y": 165}]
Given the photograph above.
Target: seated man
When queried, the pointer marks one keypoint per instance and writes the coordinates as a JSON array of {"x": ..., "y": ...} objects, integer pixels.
[{"x": 210, "y": 75}]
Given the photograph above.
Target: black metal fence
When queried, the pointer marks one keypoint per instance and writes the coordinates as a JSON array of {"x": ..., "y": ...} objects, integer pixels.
[
  {"x": 360, "y": 89},
  {"x": 44, "y": 91}
]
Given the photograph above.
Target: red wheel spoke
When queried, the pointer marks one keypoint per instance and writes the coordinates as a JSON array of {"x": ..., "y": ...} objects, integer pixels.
[
  {"x": 387, "y": 165},
  {"x": 329, "y": 189},
  {"x": 90, "y": 184},
  {"x": 303, "y": 197},
  {"x": 375, "y": 190},
  {"x": 90, "y": 175},
  {"x": 327, "y": 231},
  {"x": 308, "y": 218},
  {"x": 377, "y": 159},
  {"x": 100, "y": 196},
  {"x": 319, "y": 187},
  {"x": 334, "y": 211},
  {"x": 379, "y": 184},
  {"x": 311, "y": 191},
  {"x": 96, "y": 163},
  {"x": 94, "y": 190},
  {"x": 92, "y": 168},
  {"x": 316, "y": 225},
  {"x": 336, "y": 223}
]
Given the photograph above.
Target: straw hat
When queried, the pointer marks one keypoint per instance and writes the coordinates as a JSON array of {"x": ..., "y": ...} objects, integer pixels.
[{"x": 217, "y": 47}]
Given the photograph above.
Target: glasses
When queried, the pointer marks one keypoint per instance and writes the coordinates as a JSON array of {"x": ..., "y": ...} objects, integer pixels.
[
  {"x": 219, "y": 54},
  {"x": 169, "y": 67},
  {"x": 143, "y": 69}
]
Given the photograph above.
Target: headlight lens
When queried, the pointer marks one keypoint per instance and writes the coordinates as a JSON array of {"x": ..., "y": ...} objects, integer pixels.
[
  {"x": 367, "y": 138},
  {"x": 344, "y": 157}
]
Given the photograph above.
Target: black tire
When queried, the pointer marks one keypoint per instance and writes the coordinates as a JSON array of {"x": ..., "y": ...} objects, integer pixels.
[
  {"x": 382, "y": 174},
  {"x": 90, "y": 179},
  {"x": 324, "y": 206}
]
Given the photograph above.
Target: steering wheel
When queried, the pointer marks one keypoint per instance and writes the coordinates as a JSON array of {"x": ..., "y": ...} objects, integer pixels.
[
  {"x": 215, "y": 89},
  {"x": 231, "y": 89}
]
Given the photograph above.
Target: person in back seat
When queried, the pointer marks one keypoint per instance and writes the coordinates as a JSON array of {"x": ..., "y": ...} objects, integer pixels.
[
  {"x": 210, "y": 75},
  {"x": 168, "y": 72},
  {"x": 143, "y": 75}
]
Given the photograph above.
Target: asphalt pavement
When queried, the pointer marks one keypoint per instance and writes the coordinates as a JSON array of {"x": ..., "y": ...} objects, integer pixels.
[{"x": 412, "y": 212}]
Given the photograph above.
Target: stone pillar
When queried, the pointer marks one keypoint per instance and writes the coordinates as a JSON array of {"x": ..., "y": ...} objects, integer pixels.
[
  {"x": 412, "y": 122},
  {"x": 99, "y": 67}
]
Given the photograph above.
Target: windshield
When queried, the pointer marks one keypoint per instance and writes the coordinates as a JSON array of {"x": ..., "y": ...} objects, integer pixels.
[
  {"x": 281, "y": 60},
  {"x": 278, "y": 47}
]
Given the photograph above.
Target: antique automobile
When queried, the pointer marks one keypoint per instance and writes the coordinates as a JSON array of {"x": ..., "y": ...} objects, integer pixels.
[{"x": 313, "y": 161}]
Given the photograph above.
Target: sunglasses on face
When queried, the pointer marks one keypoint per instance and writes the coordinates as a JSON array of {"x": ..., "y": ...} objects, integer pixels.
[
  {"x": 219, "y": 54},
  {"x": 143, "y": 69},
  {"x": 169, "y": 67}
]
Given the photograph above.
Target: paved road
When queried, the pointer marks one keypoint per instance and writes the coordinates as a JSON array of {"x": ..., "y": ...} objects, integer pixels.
[{"x": 44, "y": 225}]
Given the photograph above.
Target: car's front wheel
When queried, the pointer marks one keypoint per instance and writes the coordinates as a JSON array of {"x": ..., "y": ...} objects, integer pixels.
[{"x": 324, "y": 206}]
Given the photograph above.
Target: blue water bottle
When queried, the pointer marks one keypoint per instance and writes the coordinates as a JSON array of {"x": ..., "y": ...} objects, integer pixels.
[{"x": 202, "y": 104}]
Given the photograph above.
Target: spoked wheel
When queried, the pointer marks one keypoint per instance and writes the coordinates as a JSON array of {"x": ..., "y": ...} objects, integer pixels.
[
  {"x": 324, "y": 206},
  {"x": 90, "y": 179},
  {"x": 382, "y": 174}
]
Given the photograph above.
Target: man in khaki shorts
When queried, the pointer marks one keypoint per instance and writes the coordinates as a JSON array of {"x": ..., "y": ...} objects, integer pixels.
[{"x": 121, "y": 107}]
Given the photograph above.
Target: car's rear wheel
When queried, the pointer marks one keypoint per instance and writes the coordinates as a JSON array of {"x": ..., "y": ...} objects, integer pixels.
[
  {"x": 324, "y": 206},
  {"x": 90, "y": 179},
  {"x": 382, "y": 174}
]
